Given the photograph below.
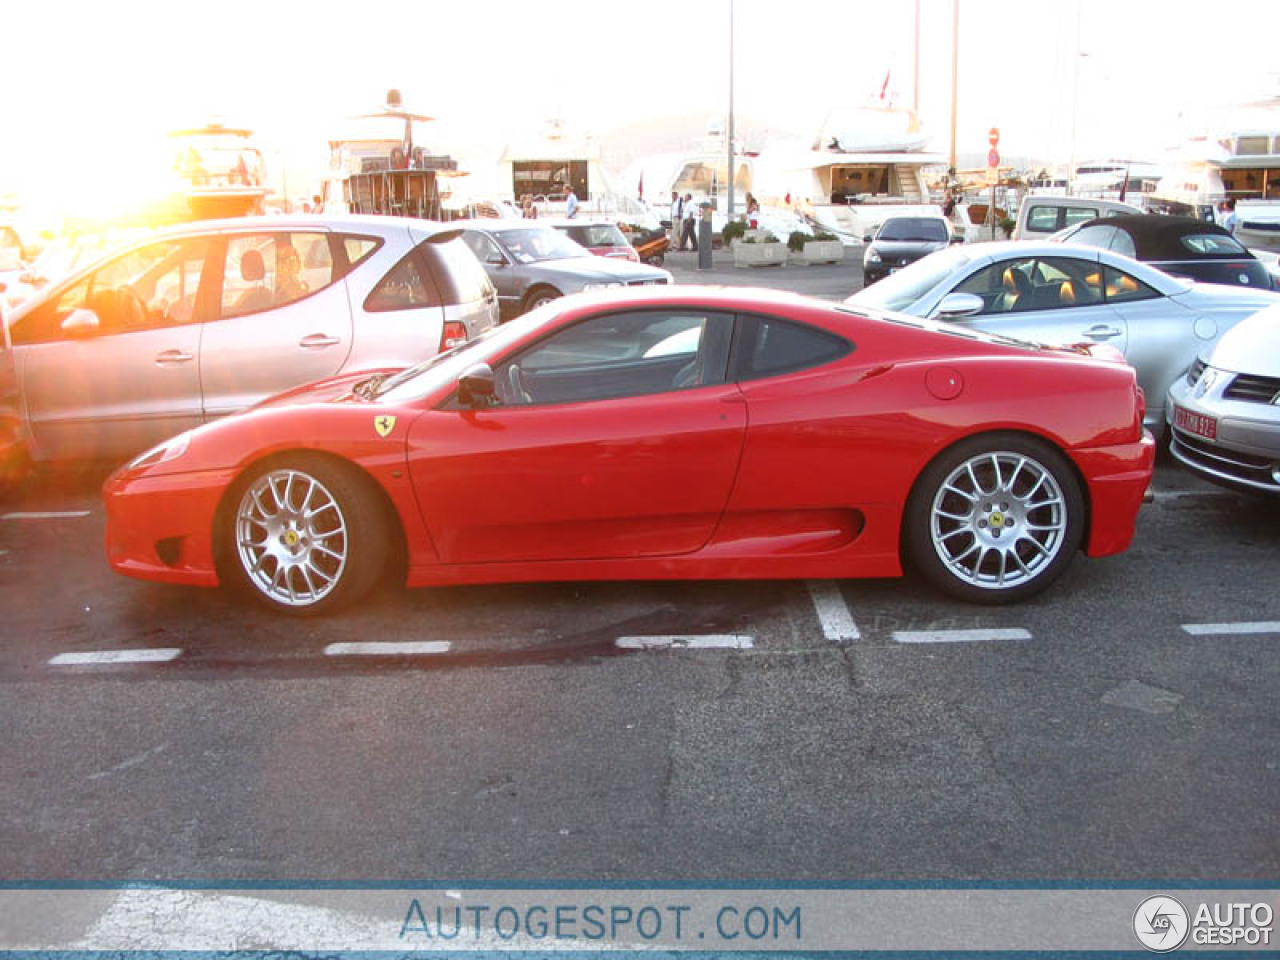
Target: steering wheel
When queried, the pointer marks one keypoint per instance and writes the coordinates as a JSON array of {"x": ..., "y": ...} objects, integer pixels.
[
  {"x": 131, "y": 309},
  {"x": 690, "y": 375}
]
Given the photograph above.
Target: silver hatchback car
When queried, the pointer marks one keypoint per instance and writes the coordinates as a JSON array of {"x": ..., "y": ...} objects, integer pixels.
[{"x": 200, "y": 321}]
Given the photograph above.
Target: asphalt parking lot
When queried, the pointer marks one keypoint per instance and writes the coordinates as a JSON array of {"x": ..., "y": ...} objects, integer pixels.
[{"x": 734, "y": 732}]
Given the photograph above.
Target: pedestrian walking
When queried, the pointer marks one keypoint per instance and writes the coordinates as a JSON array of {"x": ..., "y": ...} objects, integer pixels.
[
  {"x": 690, "y": 223},
  {"x": 570, "y": 202}
]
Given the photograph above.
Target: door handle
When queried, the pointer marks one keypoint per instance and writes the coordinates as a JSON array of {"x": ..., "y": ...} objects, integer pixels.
[
  {"x": 169, "y": 357},
  {"x": 1101, "y": 332},
  {"x": 318, "y": 340}
]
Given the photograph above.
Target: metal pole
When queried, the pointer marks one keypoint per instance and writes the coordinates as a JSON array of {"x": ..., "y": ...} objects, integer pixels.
[
  {"x": 955, "y": 76},
  {"x": 729, "y": 212},
  {"x": 915, "y": 72},
  {"x": 1075, "y": 107}
]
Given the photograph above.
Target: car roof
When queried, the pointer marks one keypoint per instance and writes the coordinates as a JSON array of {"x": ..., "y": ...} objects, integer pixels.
[
  {"x": 351, "y": 223},
  {"x": 578, "y": 222},
  {"x": 499, "y": 223},
  {"x": 1157, "y": 236}
]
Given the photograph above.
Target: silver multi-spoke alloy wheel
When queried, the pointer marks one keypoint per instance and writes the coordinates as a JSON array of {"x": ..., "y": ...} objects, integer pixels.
[
  {"x": 998, "y": 520},
  {"x": 291, "y": 537}
]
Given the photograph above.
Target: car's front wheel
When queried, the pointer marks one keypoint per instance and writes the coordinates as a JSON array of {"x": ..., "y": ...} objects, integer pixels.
[
  {"x": 995, "y": 519},
  {"x": 539, "y": 296},
  {"x": 306, "y": 535}
]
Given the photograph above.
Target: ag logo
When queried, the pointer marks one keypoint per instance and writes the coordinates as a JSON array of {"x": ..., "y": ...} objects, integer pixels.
[
  {"x": 1161, "y": 924},
  {"x": 384, "y": 424}
]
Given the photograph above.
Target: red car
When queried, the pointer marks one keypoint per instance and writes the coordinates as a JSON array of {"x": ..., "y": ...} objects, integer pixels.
[
  {"x": 602, "y": 238},
  {"x": 680, "y": 432}
]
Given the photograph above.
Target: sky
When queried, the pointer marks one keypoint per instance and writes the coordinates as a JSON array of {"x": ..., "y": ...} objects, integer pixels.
[{"x": 90, "y": 86}]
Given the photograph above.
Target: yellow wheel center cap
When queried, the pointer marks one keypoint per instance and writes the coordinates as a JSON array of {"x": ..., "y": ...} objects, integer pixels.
[
  {"x": 291, "y": 538},
  {"x": 997, "y": 520}
]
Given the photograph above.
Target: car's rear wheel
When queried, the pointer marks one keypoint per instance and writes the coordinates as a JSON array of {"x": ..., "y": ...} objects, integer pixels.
[
  {"x": 995, "y": 519},
  {"x": 307, "y": 535},
  {"x": 539, "y": 296}
]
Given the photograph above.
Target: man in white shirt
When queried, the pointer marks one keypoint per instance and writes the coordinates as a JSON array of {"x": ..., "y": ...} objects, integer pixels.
[
  {"x": 677, "y": 218},
  {"x": 570, "y": 202},
  {"x": 690, "y": 223}
]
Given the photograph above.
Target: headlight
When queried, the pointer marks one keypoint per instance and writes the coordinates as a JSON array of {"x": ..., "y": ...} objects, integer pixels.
[
  {"x": 872, "y": 256},
  {"x": 603, "y": 286},
  {"x": 169, "y": 450}
]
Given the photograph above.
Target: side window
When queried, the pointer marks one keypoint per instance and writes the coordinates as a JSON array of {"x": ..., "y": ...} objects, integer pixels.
[
  {"x": 405, "y": 287},
  {"x": 1004, "y": 286},
  {"x": 1122, "y": 288},
  {"x": 1043, "y": 219},
  {"x": 620, "y": 355},
  {"x": 357, "y": 248},
  {"x": 267, "y": 270},
  {"x": 773, "y": 347},
  {"x": 152, "y": 287},
  {"x": 1122, "y": 243},
  {"x": 1073, "y": 215}
]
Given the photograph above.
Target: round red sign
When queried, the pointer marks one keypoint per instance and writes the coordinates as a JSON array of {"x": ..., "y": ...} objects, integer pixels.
[{"x": 993, "y": 135}]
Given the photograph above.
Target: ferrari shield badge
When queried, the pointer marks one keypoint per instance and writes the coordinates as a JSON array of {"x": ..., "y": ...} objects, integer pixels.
[{"x": 384, "y": 424}]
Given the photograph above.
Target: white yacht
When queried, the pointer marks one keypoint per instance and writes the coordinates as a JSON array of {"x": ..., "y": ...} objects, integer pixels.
[
  {"x": 1240, "y": 161},
  {"x": 866, "y": 164},
  {"x": 381, "y": 162},
  {"x": 220, "y": 171}
]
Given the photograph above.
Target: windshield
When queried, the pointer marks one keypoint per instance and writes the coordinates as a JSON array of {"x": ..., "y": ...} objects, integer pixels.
[
  {"x": 532, "y": 244},
  {"x": 420, "y": 380},
  {"x": 900, "y": 290},
  {"x": 914, "y": 228},
  {"x": 597, "y": 235}
]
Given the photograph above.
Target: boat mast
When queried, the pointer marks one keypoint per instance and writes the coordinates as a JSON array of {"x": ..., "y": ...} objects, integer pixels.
[{"x": 729, "y": 212}]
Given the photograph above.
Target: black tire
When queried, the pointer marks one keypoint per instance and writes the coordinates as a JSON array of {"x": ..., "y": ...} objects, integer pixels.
[
  {"x": 281, "y": 548},
  {"x": 995, "y": 519},
  {"x": 537, "y": 297}
]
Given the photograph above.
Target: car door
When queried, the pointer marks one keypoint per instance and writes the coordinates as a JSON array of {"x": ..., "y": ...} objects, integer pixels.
[
  {"x": 1056, "y": 300},
  {"x": 283, "y": 319},
  {"x": 12, "y": 432},
  {"x": 1162, "y": 342},
  {"x": 108, "y": 366},
  {"x": 614, "y": 438}
]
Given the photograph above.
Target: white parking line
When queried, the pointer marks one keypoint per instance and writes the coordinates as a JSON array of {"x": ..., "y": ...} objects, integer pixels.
[
  {"x": 94, "y": 657},
  {"x": 1231, "y": 629},
  {"x": 958, "y": 636},
  {"x": 710, "y": 641},
  {"x": 387, "y": 648},
  {"x": 1162, "y": 496},
  {"x": 45, "y": 515},
  {"x": 833, "y": 612}
]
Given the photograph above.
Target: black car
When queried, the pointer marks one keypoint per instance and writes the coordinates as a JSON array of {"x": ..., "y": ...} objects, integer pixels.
[
  {"x": 901, "y": 241},
  {"x": 1181, "y": 246}
]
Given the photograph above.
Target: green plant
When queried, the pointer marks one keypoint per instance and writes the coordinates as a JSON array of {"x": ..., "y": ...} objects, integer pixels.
[
  {"x": 797, "y": 240},
  {"x": 822, "y": 235},
  {"x": 733, "y": 230},
  {"x": 768, "y": 237},
  {"x": 1007, "y": 224}
]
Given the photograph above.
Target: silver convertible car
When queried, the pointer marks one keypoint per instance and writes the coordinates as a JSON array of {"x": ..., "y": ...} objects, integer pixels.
[
  {"x": 532, "y": 263},
  {"x": 202, "y": 320},
  {"x": 1225, "y": 413},
  {"x": 1061, "y": 294}
]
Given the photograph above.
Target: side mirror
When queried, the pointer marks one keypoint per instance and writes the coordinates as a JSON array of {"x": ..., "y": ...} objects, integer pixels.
[
  {"x": 866, "y": 238},
  {"x": 475, "y": 386},
  {"x": 954, "y": 306},
  {"x": 957, "y": 238},
  {"x": 81, "y": 323},
  {"x": 496, "y": 260}
]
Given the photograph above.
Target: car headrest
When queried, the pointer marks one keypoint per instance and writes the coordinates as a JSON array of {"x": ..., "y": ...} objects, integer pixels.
[{"x": 252, "y": 269}]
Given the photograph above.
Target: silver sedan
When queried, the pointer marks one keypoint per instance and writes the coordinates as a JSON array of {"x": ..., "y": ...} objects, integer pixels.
[
  {"x": 199, "y": 321},
  {"x": 1056, "y": 293},
  {"x": 1225, "y": 413}
]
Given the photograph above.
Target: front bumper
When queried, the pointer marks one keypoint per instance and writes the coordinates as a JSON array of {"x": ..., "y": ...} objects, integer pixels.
[
  {"x": 162, "y": 527},
  {"x": 1245, "y": 454}
]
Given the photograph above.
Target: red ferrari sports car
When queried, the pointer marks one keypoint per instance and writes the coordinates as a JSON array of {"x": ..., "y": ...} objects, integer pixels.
[{"x": 675, "y": 432}]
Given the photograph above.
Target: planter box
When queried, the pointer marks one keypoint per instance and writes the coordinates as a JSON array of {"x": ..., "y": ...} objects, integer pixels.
[
  {"x": 759, "y": 254},
  {"x": 820, "y": 251}
]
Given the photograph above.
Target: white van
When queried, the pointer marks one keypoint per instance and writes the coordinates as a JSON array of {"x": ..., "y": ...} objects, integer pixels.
[{"x": 1040, "y": 216}]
